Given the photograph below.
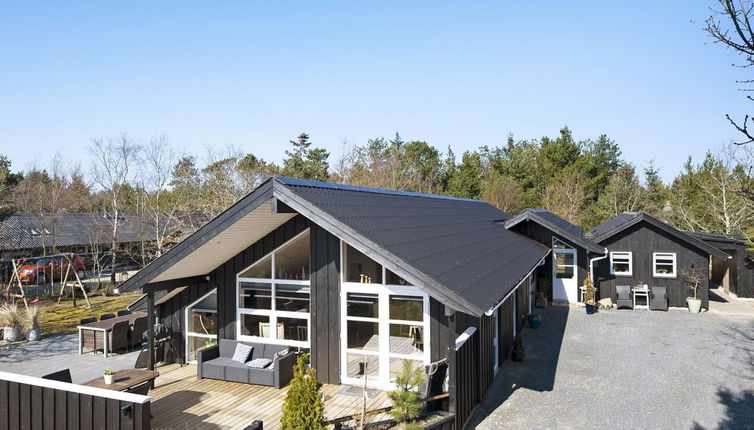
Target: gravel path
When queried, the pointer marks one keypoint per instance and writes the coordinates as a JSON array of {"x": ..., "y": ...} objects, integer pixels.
[{"x": 629, "y": 370}]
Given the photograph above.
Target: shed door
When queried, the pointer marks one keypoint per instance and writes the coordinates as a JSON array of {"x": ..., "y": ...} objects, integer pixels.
[{"x": 564, "y": 280}]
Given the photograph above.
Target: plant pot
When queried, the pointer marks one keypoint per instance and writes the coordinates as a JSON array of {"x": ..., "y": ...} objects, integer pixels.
[
  {"x": 34, "y": 334},
  {"x": 535, "y": 322},
  {"x": 540, "y": 302},
  {"x": 518, "y": 356},
  {"x": 695, "y": 305},
  {"x": 11, "y": 334},
  {"x": 590, "y": 309},
  {"x": 109, "y": 379}
]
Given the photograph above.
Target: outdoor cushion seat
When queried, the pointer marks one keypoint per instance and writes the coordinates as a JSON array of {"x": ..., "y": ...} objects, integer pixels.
[
  {"x": 215, "y": 362},
  {"x": 624, "y": 297},
  {"x": 659, "y": 300}
]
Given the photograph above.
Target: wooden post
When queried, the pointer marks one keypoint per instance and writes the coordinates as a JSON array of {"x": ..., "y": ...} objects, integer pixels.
[
  {"x": 452, "y": 373},
  {"x": 150, "y": 330}
]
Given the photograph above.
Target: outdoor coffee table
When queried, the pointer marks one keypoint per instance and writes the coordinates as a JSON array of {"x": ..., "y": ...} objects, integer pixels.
[
  {"x": 641, "y": 291},
  {"x": 125, "y": 379},
  {"x": 101, "y": 330}
]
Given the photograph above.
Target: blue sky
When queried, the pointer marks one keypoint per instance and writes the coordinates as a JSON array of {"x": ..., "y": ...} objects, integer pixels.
[{"x": 255, "y": 74}]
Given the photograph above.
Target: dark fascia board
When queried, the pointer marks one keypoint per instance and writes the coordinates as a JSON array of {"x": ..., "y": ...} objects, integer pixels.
[
  {"x": 198, "y": 238},
  {"x": 528, "y": 215},
  {"x": 641, "y": 216},
  {"x": 374, "y": 251}
]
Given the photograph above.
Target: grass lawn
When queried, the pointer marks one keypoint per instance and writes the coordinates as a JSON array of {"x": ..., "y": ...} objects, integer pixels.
[{"x": 63, "y": 317}]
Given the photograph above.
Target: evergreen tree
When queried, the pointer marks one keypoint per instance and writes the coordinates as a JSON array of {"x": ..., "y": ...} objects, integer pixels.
[
  {"x": 406, "y": 399},
  {"x": 303, "y": 408},
  {"x": 305, "y": 162},
  {"x": 467, "y": 179}
]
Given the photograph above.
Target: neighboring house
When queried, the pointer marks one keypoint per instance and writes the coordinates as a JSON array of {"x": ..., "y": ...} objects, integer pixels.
[
  {"x": 734, "y": 275},
  {"x": 645, "y": 250},
  {"x": 570, "y": 262},
  {"x": 356, "y": 275}
]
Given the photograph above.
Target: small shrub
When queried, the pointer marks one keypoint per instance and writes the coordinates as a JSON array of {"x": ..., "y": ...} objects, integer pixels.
[
  {"x": 109, "y": 372},
  {"x": 34, "y": 313},
  {"x": 406, "y": 399},
  {"x": 107, "y": 291},
  {"x": 10, "y": 315},
  {"x": 303, "y": 408}
]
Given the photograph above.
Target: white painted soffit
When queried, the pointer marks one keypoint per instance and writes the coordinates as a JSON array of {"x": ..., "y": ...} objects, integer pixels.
[{"x": 232, "y": 240}]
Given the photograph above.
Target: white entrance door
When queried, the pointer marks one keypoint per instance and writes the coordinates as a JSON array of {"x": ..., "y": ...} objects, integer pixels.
[{"x": 564, "y": 280}]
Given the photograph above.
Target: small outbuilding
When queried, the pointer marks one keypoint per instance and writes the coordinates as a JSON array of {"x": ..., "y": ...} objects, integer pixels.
[{"x": 735, "y": 275}]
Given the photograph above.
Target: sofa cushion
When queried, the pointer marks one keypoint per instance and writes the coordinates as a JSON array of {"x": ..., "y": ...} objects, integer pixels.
[
  {"x": 259, "y": 363},
  {"x": 262, "y": 377},
  {"x": 227, "y": 348},
  {"x": 215, "y": 369},
  {"x": 259, "y": 350},
  {"x": 271, "y": 350},
  {"x": 236, "y": 372},
  {"x": 242, "y": 353}
]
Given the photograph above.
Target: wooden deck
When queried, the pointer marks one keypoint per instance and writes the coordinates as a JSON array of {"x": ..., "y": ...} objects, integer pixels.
[{"x": 180, "y": 401}]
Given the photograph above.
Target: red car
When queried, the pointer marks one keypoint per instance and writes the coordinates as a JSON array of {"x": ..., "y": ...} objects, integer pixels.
[{"x": 47, "y": 268}]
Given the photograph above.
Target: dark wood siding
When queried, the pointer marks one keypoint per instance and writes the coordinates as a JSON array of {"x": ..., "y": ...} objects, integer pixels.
[
  {"x": 740, "y": 267},
  {"x": 325, "y": 304},
  {"x": 24, "y": 406},
  {"x": 642, "y": 240},
  {"x": 172, "y": 312},
  {"x": 438, "y": 331},
  {"x": 544, "y": 236}
]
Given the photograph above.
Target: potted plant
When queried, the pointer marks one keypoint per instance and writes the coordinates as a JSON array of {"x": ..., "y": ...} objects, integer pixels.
[
  {"x": 534, "y": 320},
  {"x": 590, "y": 295},
  {"x": 694, "y": 277},
  {"x": 10, "y": 318},
  {"x": 407, "y": 405},
  {"x": 109, "y": 376},
  {"x": 33, "y": 313},
  {"x": 518, "y": 349}
]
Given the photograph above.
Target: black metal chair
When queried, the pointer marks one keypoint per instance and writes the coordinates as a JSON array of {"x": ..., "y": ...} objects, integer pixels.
[
  {"x": 659, "y": 299},
  {"x": 61, "y": 375},
  {"x": 624, "y": 297},
  {"x": 88, "y": 320},
  {"x": 124, "y": 312},
  {"x": 106, "y": 317}
]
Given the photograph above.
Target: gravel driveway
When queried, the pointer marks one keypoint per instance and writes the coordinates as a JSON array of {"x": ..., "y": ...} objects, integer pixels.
[{"x": 629, "y": 369}]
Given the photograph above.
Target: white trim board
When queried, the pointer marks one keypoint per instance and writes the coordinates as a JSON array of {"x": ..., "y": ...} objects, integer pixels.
[{"x": 74, "y": 388}]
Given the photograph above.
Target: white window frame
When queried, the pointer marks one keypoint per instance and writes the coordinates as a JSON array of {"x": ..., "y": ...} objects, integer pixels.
[
  {"x": 383, "y": 292},
  {"x": 197, "y": 334},
  {"x": 630, "y": 256},
  {"x": 666, "y": 256},
  {"x": 272, "y": 313}
]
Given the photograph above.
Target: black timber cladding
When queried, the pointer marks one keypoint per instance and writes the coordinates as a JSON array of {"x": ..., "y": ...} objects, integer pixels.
[
  {"x": 454, "y": 246},
  {"x": 740, "y": 266},
  {"x": 325, "y": 304}
]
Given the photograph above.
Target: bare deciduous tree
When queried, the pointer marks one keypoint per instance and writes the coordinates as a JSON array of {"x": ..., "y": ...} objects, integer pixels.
[
  {"x": 567, "y": 198},
  {"x": 505, "y": 195}
]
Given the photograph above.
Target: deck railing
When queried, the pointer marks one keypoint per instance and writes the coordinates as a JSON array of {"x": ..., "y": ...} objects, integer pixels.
[{"x": 31, "y": 402}]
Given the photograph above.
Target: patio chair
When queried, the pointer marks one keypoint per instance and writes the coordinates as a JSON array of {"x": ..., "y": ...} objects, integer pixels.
[
  {"x": 624, "y": 297},
  {"x": 119, "y": 336},
  {"x": 88, "y": 320},
  {"x": 142, "y": 360},
  {"x": 61, "y": 375},
  {"x": 124, "y": 312},
  {"x": 136, "y": 332},
  {"x": 659, "y": 299},
  {"x": 106, "y": 317},
  {"x": 142, "y": 389}
]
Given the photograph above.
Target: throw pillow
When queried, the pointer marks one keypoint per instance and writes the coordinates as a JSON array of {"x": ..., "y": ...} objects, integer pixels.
[
  {"x": 243, "y": 352},
  {"x": 279, "y": 354},
  {"x": 259, "y": 363}
]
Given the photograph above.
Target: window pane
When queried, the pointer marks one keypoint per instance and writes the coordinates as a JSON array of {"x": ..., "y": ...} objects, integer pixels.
[
  {"x": 261, "y": 270},
  {"x": 406, "y": 339},
  {"x": 255, "y": 295},
  {"x": 359, "y": 364},
  {"x": 363, "y": 335},
  {"x": 292, "y": 261},
  {"x": 620, "y": 267},
  {"x": 202, "y": 322},
  {"x": 360, "y": 268},
  {"x": 194, "y": 343},
  {"x": 410, "y": 308},
  {"x": 564, "y": 272},
  {"x": 293, "y": 329},
  {"x": 255, "y": 325},
  {"x": 396, "y": 366},
  {"x": 292, "y": 298},
  {"x": 393, "y": 279},
  {"x": 362, "y": 305},
  {"x": 564, "y": 259}
]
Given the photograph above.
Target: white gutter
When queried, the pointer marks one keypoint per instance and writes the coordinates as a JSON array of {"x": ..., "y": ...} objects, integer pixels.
[
  {"x": 591, "y": 264},
  {"x": 494, "y": 308}
]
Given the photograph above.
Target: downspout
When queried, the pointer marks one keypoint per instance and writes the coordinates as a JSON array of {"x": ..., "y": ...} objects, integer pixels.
[{"x": 591, "y": 264}]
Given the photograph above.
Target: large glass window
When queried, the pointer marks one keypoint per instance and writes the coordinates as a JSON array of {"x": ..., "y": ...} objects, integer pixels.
[
  {"x": 620, "y": 263},
  {"x": 274, "y": 296},
  {"x": 663, "y": 264},
  {"x": 201, "y": 324},
  {"x": 384, "y": 322}
]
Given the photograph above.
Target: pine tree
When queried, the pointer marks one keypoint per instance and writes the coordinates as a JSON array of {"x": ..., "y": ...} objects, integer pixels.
[
  {"x": 406, "y": 400},
  {"x": 305, "y": 162},
  {"x": 303, "y": 408}
]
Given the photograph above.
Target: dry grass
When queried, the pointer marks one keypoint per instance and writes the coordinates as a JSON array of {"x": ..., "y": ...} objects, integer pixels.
[{"x": 63, "y": 317}]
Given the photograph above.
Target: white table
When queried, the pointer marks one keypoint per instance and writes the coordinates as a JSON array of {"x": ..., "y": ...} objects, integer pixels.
[{"x": 641, "y": 291}]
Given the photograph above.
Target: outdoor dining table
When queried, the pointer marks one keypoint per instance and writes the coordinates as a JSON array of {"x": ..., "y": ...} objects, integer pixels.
[
  {"x": 125, "y": 379},
  {"x": 104, "y": 327}
]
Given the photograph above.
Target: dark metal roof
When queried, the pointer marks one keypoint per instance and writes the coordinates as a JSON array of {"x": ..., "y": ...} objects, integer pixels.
[
  {"x": 23, "y": 231},
  {"x": 717, "y": 237},
  {"x": 623, "y": 221},
  {"x": 455, "y": 247},
  {"x": 556, "y": 225}
]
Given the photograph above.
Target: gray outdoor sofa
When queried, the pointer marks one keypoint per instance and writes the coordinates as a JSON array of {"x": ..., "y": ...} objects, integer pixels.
[{"x": 216, "y": 362}]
